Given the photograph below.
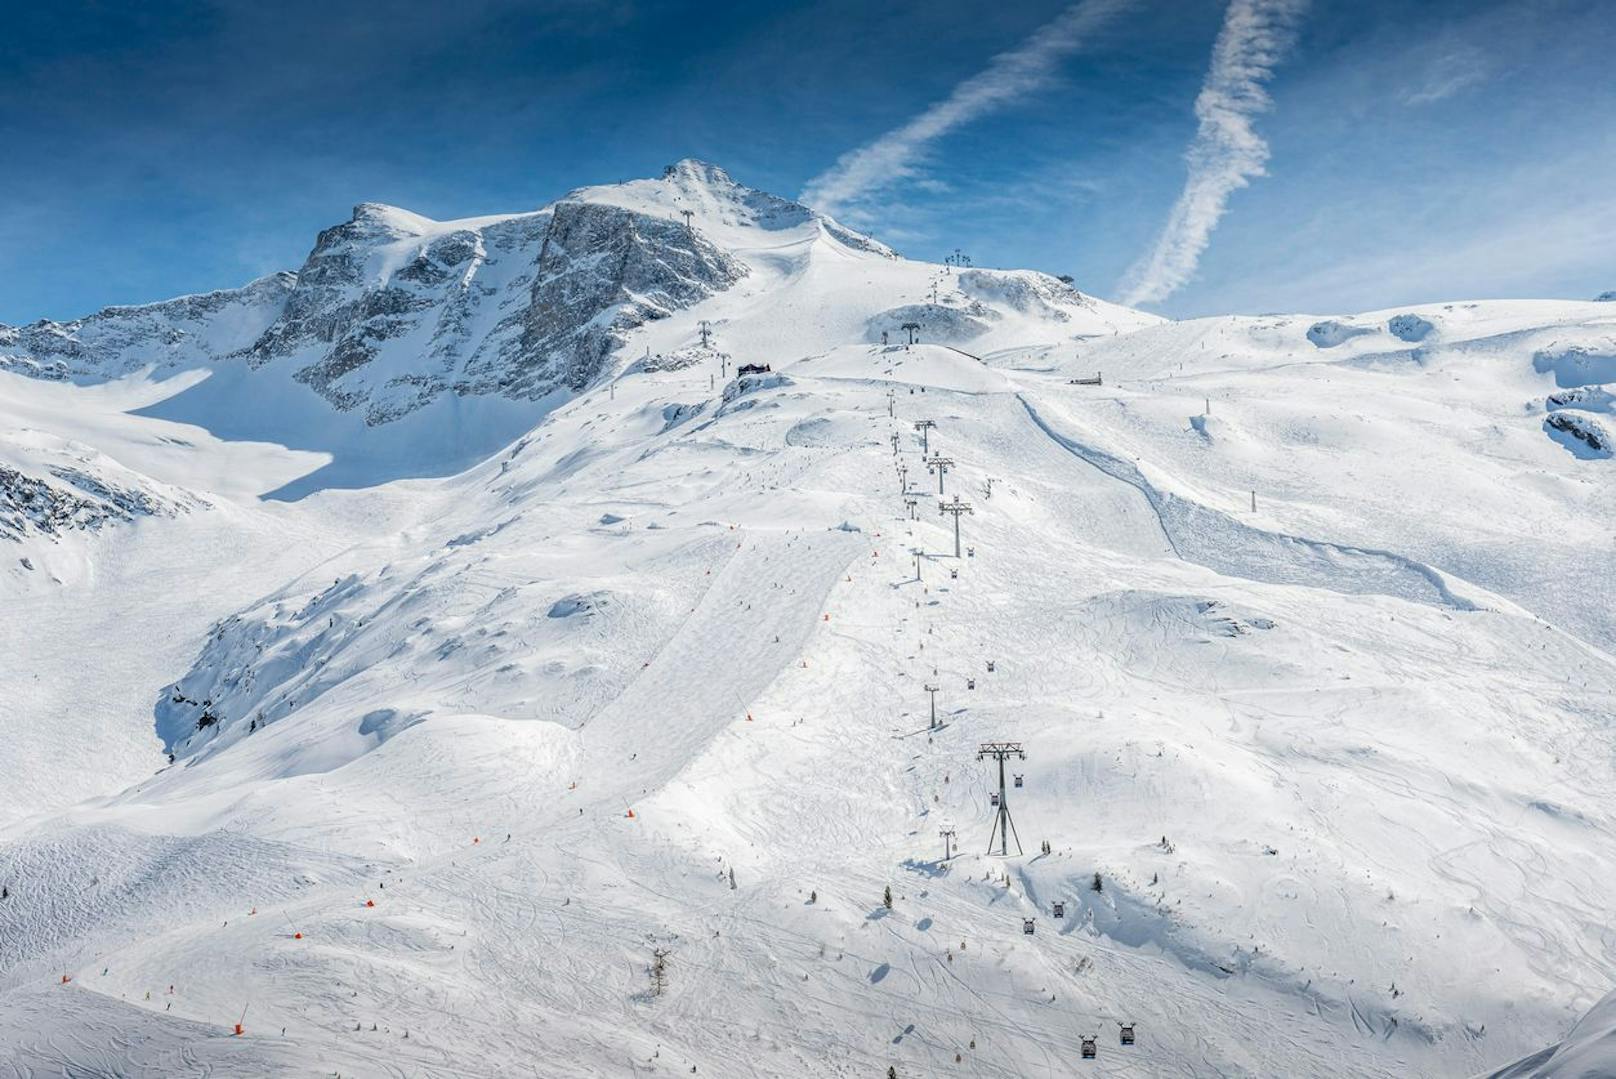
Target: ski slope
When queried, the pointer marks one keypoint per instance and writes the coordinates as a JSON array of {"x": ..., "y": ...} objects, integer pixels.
[{"x": 455, "y": 755}]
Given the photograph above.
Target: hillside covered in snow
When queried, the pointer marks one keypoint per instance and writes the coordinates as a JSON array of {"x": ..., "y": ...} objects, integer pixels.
[{"x": 533, "y": 644}]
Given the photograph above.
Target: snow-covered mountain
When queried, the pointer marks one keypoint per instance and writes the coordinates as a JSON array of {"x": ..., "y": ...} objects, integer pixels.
[
  {"x": 473, "y": 329},
  {"x": 563, "y": 643},
  {"x": 391, "y": 309}
]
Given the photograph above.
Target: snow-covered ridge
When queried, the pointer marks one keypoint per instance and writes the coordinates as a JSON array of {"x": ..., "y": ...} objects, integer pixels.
[
  {"x": 51, "y": 486},
  {"x": 392, "y": 310},
  {"x": 171, "y": 335}
]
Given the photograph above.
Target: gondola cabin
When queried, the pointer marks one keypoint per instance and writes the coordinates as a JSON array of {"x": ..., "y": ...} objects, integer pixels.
[
  {"x": 1060, "y": 910},
  {"x": 1018, "y": 781},
  {"x": 1026, "y": 926},
  {"x": 993, "y": 798},
  {"x": 1127, "y": 1033},
  {"x": 1090, "y": 1048}
]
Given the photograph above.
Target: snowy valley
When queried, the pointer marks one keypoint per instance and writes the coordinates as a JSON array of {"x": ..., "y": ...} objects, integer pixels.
[{"x": 502, "y": 647}]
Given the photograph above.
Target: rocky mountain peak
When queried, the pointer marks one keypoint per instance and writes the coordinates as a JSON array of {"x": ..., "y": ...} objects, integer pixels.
[{"x": 691, "y": 172}]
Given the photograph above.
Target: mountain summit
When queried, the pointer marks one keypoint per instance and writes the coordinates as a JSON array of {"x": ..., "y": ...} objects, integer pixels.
[{"x": 392, "y": 310}]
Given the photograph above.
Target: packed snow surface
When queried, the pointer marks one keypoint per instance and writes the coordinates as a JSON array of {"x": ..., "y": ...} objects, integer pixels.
[{"x": 417, "y": 725}]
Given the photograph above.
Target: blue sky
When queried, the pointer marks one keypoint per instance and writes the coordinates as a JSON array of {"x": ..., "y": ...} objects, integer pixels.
[{"x": 1415, "y": 152}]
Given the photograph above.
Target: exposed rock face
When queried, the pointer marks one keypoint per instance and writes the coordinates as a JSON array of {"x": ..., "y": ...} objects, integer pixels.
[
  {"x": 1579, "y": 364},
  {"x": 605, "y": 270},
  {"x": 1330, "y": 333},
  {"x": 679, "y": 359},
  {"x": 1411, "y": 328},
  {"x": 392, "y": 310},
  {"x": 704, "y": 184},
  {"x": 28, "y": 504},
  {"x": 81, "y": 501},
  {"x": 520, "y": 307},
  {"x": 187, "y": 332},
  {"x": 1582, "y": 435},
  {"x": 1024, "y": 290},
  {"x": 1585, "y": 398},
  {"x": 937, "y": 322}
]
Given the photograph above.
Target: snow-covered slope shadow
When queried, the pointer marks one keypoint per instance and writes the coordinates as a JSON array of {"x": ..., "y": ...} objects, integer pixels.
[
  {"x": 447, "y": 436},
  {"x": 1215, "y": 540}
]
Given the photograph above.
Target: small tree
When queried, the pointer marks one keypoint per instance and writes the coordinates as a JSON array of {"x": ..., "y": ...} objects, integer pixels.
[
  {"x": 886, "y": 898},
  {"x": 659, "y": 972}
]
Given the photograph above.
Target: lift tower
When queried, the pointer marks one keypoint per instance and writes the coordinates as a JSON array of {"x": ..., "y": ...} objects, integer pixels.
[
  {"x": 942, "y": 465},
  {"x": 924, "y": 427},
  {"x": 955, "y": 507},
  {"x": 1002, "y": 751}
]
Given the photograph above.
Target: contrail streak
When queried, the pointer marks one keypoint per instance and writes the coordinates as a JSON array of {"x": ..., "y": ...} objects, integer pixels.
[
  {"x": 1227, "y": 152},
  {"x": 1009, "y": 75}
]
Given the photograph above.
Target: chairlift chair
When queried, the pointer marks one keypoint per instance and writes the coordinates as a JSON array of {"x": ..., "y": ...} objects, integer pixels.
[
  {"x": 993, "y": 798},
  {"x": 1090, "y": 1048},
  {"x": 990, "y": 666},
  {"x": 1018, "y": 781},
  {"x": 1026, "y": 926},
  {"x": 970, "y": 683},
  {"x": 1127, "y": 1033},
  {"x": 1060, "y": 910},
  {"x": 953, "y": 574}
]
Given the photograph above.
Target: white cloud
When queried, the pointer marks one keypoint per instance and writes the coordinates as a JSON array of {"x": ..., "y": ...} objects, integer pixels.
[
  {"x": 1227, "y": 152},
  {"x": 894, "y": 156}
]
